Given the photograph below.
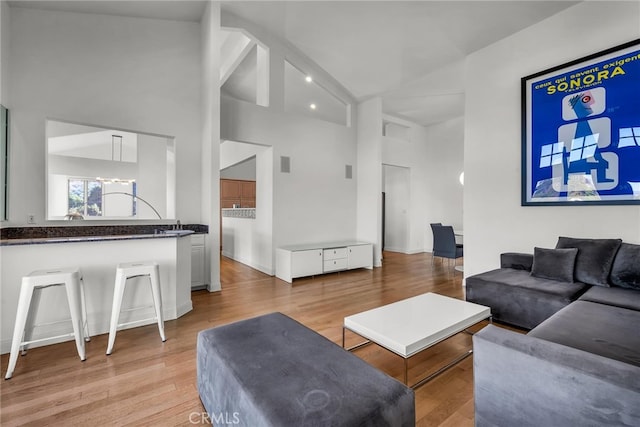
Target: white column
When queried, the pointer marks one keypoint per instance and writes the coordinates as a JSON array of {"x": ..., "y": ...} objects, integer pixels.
[
  {"x": 211, "y": 138},
  {"x": 369, "y": 173}
]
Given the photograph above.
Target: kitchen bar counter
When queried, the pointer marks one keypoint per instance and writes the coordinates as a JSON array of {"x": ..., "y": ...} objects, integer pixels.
[{"x": 97, "y": 256}]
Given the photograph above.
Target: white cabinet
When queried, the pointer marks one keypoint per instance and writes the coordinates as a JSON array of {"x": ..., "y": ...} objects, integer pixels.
[
  {"x": 314, "y": 259},
  {"x": 298, "y": 263},
  {"x": 335, "y": 259},
  {"x": 360, "y": 256},
  {"x": 334, "y": 253},
  {"x": 306, "y": 263},
  {"x": 197, "y": 262}
]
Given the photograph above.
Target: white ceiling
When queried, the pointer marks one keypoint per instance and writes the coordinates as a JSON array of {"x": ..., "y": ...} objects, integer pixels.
[
  {"x": 410, "y": 53},
  {"x": 177, "y": 10}
]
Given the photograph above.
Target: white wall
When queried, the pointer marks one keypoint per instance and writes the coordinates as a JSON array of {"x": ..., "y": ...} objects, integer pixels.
[
  {"x": 128, "y": 73},
  {"x": 4, "y": 53},
  {"x": 314, "y": 202},
  {"x": 494, "y": 221},
  {"x": 245, "y": 170},
  {"x": 151, "y": 183},
  {"x": 4, "y": 99},
  {"x": 446, "y": 162}
]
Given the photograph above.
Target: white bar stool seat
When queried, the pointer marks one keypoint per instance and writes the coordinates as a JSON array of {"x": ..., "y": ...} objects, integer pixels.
[
  {"x": 29, "y": 300},
  {"x": 130, "y": 270}
]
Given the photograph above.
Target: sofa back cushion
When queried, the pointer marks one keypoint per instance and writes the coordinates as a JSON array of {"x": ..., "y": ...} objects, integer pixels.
[
  {"x": 594, "y": 259},
  {"x": 626, "y": 267},
  {"x": 554, "y": 264}
]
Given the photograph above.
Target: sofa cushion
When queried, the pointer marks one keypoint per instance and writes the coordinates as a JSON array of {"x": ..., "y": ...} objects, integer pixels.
[
  {"x": 621, "y": 297},
  {"x": 518, "y": 298},
  {"x": 601, "y": 329},
  {"x": 554, "y": 264},
  {"x": 594, "y": 259},
  {"x": 626, "y": 267},
  {"x": 516, "y": 260}
]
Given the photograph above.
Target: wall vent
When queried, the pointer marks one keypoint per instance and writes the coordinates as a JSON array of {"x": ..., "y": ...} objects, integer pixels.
[{"x": 285, "y": 164}]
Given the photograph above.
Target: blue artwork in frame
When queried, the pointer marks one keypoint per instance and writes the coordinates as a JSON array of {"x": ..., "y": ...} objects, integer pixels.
[{"x": 581, "y": 131}]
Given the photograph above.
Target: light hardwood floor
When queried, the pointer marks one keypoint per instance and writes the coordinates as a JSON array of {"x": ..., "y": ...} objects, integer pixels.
[{"x": 147, "y": 382}]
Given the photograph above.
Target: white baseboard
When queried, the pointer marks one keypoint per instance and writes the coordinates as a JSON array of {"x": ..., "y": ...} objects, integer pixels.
[
  {"x": 248, "y": 262},
  {"x": 404, "y": 250},
  {"x": 184, "y": 308},
  {"x": 414, "y": 251}
]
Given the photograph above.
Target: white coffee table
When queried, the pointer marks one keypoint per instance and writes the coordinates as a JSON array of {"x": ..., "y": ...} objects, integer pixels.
[{"x": 412, "y": 325}]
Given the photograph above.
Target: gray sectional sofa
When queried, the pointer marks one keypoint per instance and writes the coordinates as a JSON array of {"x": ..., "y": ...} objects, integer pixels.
[{"x": 579, "y": 365}]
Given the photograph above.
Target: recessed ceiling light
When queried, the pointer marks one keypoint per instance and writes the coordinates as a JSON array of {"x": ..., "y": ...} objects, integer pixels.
[
  {"x": 308, "y": 79},
  {"x": 312, "y": 106}
]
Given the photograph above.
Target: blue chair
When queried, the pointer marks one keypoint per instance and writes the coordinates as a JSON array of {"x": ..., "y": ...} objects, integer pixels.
[
  {"x": 437, "y": 224},
  {"x": 444, "y": 243}
]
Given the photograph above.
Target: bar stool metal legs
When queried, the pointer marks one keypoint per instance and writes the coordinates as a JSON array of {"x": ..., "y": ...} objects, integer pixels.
[
  {"x": 28, "y": 301},
  {"x": 123, "y": 273}
]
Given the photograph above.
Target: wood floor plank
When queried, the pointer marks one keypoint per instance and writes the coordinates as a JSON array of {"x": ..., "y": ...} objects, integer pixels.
[{"x": 147, "y": 382}]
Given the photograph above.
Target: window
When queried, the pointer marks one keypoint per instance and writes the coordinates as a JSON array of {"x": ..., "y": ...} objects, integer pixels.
[{"x": 85, "y": 197}]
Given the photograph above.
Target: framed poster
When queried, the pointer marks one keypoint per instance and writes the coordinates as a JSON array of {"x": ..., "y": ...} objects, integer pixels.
[{"x": 581, "y": 131}]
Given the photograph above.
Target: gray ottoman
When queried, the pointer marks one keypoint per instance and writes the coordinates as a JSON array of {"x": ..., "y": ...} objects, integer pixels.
[{"x": 273, "y": 371}]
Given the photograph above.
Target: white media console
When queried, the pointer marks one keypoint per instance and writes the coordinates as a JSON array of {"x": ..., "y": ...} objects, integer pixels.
[{"x": 313, "y": 259}]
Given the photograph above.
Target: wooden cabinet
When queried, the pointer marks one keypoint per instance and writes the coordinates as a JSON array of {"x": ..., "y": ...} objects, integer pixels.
[
  {"x": 248, "y": 190},
  {"x": 237, "y": 192},
  {"x": 311, "y": 260}
]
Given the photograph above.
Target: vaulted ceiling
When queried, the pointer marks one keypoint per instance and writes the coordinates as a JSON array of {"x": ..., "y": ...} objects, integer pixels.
[{"x": 410, "y": 53}]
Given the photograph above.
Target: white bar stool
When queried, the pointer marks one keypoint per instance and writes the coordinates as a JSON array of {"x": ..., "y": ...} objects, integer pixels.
[
  {"x": 128, "y": 271},
  {"x": 29, "y": 300}
]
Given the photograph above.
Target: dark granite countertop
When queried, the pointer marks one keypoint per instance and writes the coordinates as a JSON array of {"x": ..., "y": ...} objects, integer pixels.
[
  {"x": 47, "y": 240},
  {"x": 73, "y": 234}
]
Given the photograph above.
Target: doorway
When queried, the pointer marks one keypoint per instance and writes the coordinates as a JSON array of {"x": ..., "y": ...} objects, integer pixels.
[
  {"x": 396, "y": 208},
  {"x": 246, "y": 223}
]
